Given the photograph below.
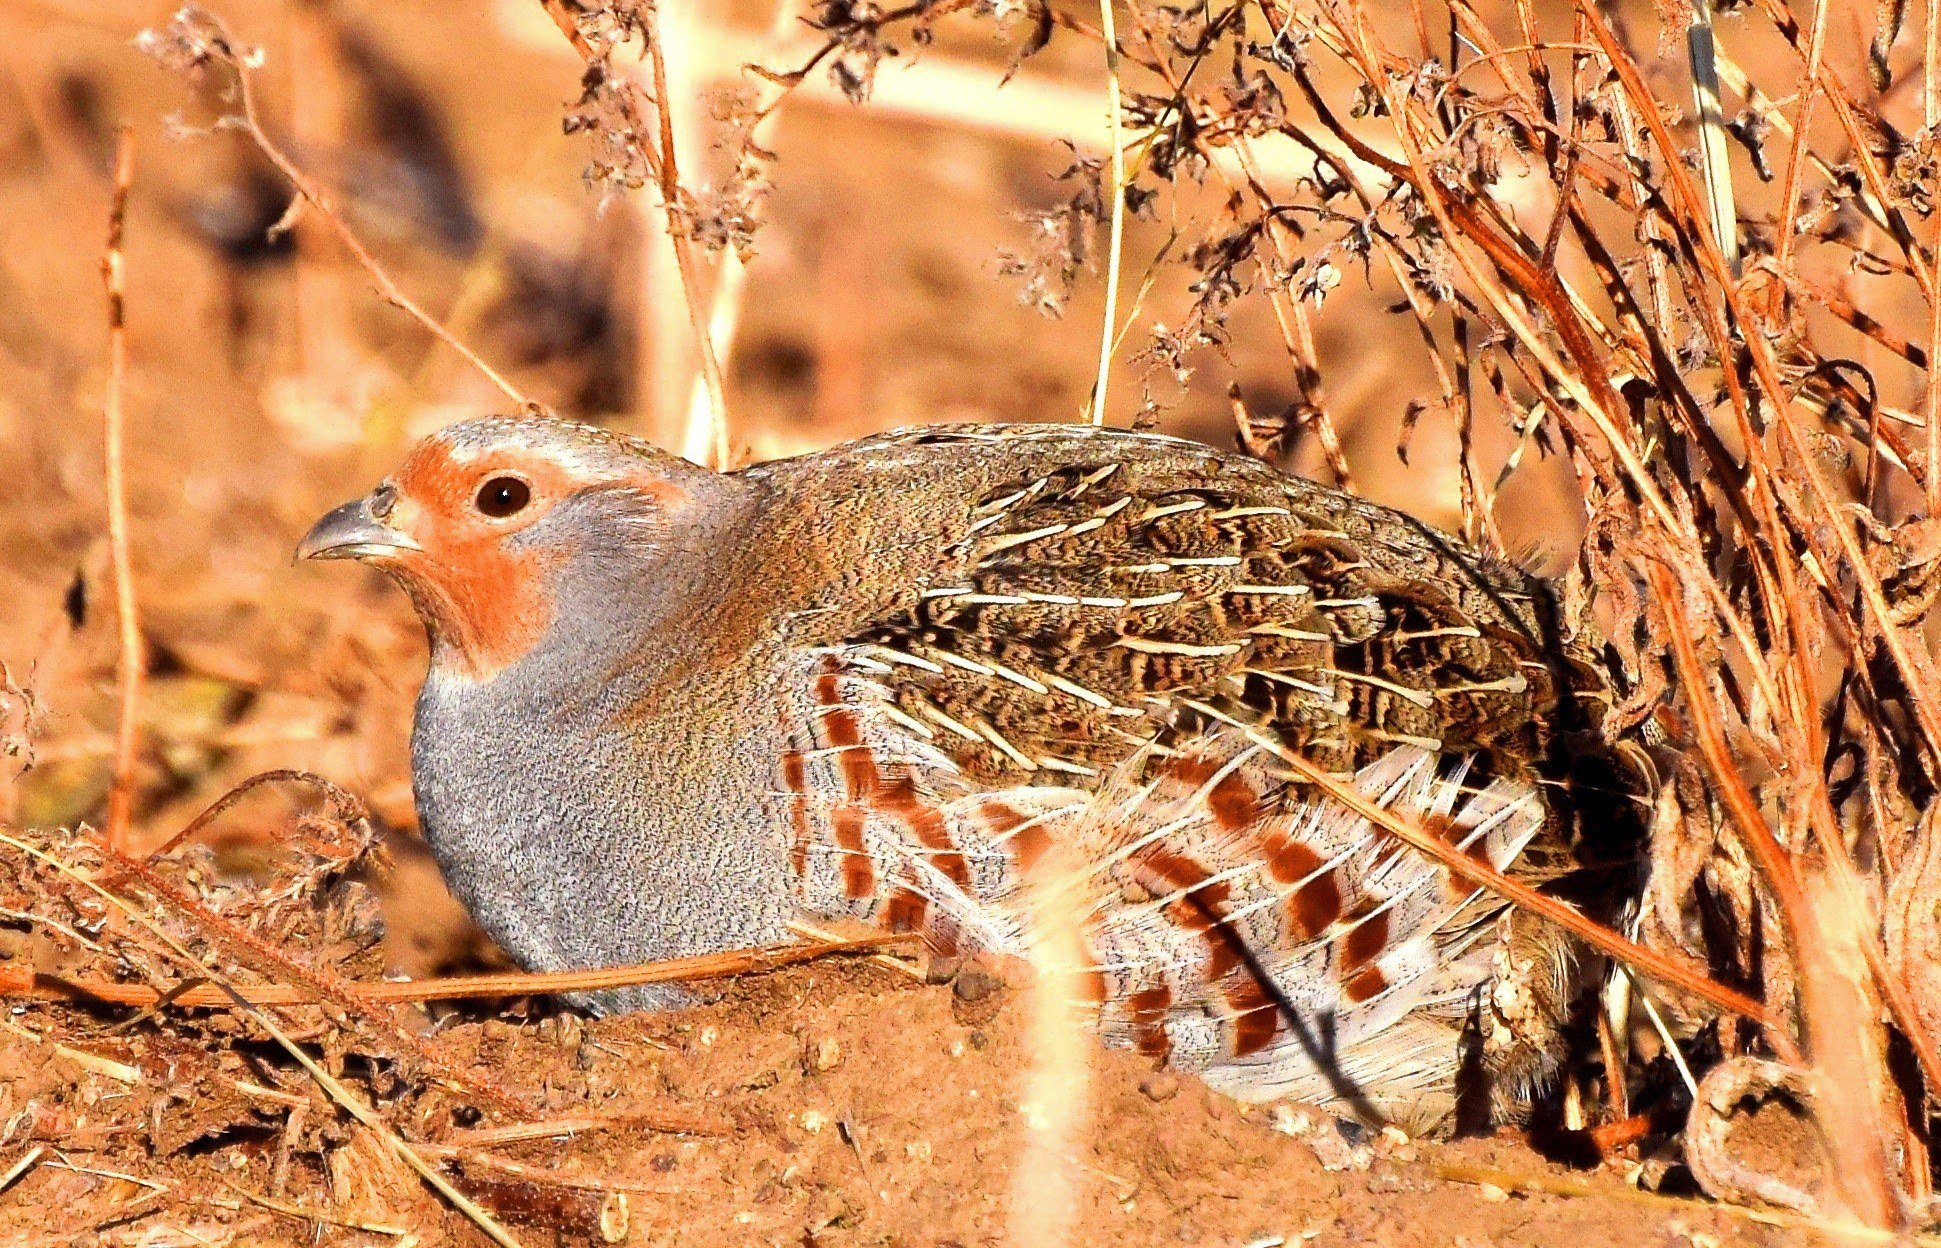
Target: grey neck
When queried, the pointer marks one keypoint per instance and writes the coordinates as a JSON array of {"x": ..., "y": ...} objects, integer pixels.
[{"x": 591, "y": 805}]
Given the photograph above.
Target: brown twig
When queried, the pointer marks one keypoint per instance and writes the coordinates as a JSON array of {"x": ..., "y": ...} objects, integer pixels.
[
  {"x": 1931, "y": 408},
  {"x": 1740, "y": 805},
  {"x": 130, "y": 663},
  {"x": 460, "y": 988},
  {"x": 672, "y": 1122},
  {"x": 344, "y": 805}
]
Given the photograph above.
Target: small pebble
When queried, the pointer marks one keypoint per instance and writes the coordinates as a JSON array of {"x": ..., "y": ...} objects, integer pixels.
[
  {"x": 1160, "y": 1086},
  {"x": 614, "y": 1218},
  {"x": 1341, "y": 1148},
  {"x": 1291, "y": 1121},
  {"x": 824, "y": 1054},
  {"x": 974, "y": 983}
]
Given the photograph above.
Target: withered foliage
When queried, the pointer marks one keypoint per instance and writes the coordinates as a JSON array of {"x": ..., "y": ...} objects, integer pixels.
[
  {"x": 613, "y": 111},
  {"x": 101, "y": 923},
  {"x": 207, "y": 1107},
  {"x": 1751, "y": 426},
  {"x": 182, "y": 1082},
  {"x": 729, "y": 214},
  {"x": 1064, "y": 241},
  {"x": 616, "y": 112}
]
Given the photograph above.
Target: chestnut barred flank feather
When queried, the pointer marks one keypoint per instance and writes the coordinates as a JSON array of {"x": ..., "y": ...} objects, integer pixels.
[
  {"x": 913, "y": 680},
  {"x": 1113, "y": 631}
]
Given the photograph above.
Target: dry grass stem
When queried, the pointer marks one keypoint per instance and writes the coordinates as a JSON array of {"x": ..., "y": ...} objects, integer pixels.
[
  {"x": 661, "y": 165},
  {"x": 1849, "y": 1051},
  {"x": 28, "y": 1160},
  {"x": 1711, "y": 133},
  {"x": 680, "y": 236},
  {"x": 344, "y": 805},
  {"x": 1054, "y": 1102},
  {"x": 1116, "y": 208},
  {"x": 130, "y": 661},
  {"x": 731, "y": 271},
  {"x": 203, "y": 995}
]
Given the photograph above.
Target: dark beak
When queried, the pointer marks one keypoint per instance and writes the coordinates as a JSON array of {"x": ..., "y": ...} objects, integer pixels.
[{"x": 352, "y": 532}]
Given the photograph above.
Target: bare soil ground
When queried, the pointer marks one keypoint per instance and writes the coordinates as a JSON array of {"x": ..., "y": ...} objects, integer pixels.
[
  {"x": 908, "y": 1137},
  {"x": 833, "y": 1103}
]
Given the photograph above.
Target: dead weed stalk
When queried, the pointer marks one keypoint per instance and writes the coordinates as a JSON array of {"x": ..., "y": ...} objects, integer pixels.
[{"x": 129, "y": 659}]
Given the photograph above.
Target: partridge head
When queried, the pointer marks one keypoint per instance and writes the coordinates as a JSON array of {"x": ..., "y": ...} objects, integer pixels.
[
  {"x": 669, "y": 711},
  {"x": 492, "y": 527}
]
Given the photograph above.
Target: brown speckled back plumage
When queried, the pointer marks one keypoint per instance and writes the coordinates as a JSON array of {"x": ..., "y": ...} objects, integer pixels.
[{"x": 895, "y": 675}]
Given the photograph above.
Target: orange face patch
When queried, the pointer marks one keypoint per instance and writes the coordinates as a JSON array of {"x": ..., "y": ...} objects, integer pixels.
[{"x": 488, "y": 604}]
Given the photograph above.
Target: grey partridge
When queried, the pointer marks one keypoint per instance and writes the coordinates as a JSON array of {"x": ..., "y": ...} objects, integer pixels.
[{"x": 669, "y": 711}]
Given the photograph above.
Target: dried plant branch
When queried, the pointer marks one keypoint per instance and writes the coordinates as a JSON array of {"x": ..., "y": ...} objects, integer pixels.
[
  {"x": 1796, "y": 158},
  {"x": 350, "y": 1103},
  {"x": 201, "y": 995},
  {"x": 660, "y": 162},
  {"x": 196, "y": 37},
  {"x": 1742, "y": 808},
  {"x": 681, "y": 238},
  {"x": 731, "y": 272},
  {"x": 344, "y": 805},
  {"x": 1873, "y": 176},
  {"x": 130, "y": 660}
]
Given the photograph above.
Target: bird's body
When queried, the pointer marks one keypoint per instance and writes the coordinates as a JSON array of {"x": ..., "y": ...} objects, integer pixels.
[{"x": 669, "y": 712}]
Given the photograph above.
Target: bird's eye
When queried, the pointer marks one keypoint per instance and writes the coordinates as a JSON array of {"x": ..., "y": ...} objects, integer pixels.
[{"x": 503, "y": 496}]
